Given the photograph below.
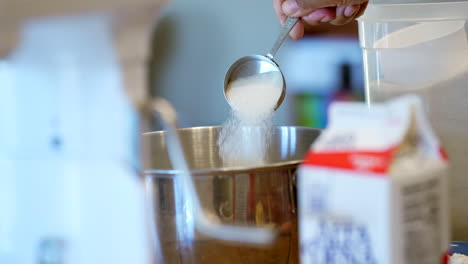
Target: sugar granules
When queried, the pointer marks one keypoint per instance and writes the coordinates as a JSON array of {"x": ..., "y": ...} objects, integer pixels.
[{"x": 244, "y": 138}]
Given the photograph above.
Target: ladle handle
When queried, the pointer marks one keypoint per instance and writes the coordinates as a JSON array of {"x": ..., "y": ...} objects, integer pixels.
[{"x": 288, "y": 25}]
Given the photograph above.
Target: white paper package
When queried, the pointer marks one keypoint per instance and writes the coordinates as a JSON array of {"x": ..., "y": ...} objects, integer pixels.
[{"x": 373, "y": 188}]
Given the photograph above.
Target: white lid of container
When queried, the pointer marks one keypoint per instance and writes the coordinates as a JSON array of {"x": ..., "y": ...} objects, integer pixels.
[{"x": 404, "y": 10}]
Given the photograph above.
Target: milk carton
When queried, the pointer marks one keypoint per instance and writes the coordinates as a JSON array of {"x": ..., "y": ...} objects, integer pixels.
[{"x": 373, "y": 188}]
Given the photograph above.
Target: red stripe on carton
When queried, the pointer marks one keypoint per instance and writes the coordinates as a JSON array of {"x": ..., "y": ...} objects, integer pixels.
[{"x": 364, "y": 161}]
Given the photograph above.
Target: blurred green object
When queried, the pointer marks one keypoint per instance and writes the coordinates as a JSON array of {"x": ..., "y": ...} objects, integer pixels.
[{"x": 311, "y": 110}]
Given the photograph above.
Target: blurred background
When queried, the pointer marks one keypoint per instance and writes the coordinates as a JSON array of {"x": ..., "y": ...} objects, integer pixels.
[
  {"x": 69, "y": 130},
  {"x": 194, "y": 45}
]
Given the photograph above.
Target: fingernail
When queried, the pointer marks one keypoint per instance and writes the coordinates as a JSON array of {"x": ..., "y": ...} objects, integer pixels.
[
  {"x": 350, "y": 10},
  {"x": 326, "y": 19},
  {"x": 290, "y": 7}
]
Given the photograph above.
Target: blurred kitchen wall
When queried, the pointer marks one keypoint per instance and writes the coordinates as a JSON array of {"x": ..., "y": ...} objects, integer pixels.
[
  {"x": 195, "y": 44},
  {"x": 197, "y": 41}
]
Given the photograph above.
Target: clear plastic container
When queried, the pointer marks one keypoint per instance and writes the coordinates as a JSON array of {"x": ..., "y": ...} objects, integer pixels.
[{"x": 422, "y": 48}]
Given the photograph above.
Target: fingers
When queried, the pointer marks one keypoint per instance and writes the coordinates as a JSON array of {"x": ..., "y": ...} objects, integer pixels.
[
  {"x": 344, "y": 14},
  {"x": 279, "y": 11},
  {"x": 349, "y": 2},
  {"x": 315, "y": 12},
  {"x": 361, "y": 10},
  {"x": 298, "y": 31},
  {"x": 321, "y": 15},
  {"x": 294, "y": 9},
  {"x": 299, "y": 8}
]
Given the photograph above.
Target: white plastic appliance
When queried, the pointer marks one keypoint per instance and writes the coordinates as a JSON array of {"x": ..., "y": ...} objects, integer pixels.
[{"x": 72, "y": 75}]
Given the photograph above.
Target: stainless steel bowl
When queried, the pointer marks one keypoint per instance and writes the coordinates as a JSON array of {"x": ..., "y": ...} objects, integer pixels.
[{"x": 261, "y": 196}]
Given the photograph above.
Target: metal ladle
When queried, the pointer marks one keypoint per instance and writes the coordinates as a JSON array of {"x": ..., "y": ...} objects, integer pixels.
[{"x": 249, "y": 66}]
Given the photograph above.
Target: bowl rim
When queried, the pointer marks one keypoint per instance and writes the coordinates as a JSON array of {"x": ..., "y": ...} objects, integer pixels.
[{"x": 282, "y": 165}]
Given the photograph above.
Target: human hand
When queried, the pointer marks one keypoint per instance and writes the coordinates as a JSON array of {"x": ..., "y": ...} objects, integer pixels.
[{"x": 315, "y": 12}]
